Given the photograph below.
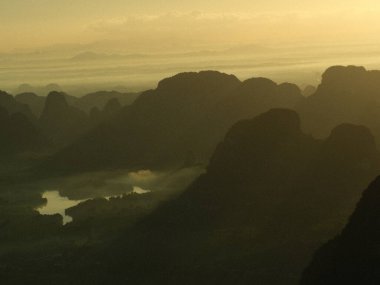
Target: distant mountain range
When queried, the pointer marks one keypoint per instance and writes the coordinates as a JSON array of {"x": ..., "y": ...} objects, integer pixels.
[
  {"x": 246, "y": 49},
  {"x": 204, "y": 105},
  {"x": 32, "y": 123},
  {"x": 284, "y": 173},
  {"x": 188, "y": 113},
  {"x": 85, "y": 103}
]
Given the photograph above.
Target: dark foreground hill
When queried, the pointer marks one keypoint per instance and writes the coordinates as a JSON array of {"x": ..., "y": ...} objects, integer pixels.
[
  {"x": 185, "y": 115},
  {"x": 353, "y": 257},
  {"x": 270, "y": 197}
]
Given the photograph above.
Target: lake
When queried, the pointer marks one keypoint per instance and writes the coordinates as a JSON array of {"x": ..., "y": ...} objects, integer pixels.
[{"x": 57, "y": 204}]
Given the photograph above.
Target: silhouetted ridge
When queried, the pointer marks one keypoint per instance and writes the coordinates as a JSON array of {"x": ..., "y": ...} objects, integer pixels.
[
  {"x": 348, "y": 81},
  {"x": 364, "y": 224},
  {"x": 55, "y": 103},
  {"x": 18, "y": 135},
  {"x": 258, "y": 85},
  {"x": 340, "y": 74},
  {"x": 267, "y": 87},
  {"x": 282, "y": 95},
  {"x": 61, "y": 122},
  {"x": 353, "y": 257},
  {"x": 271, "y": 194},
  {"x": 99, "y": 99},
  {"x": 309, "y": 90},
  {"x": 346, "y": 95},
  {"x": 35, "y": 102},
  {"x": 289, "y": 89},
  {"x": 280, "y": 121},
  {"x": 8, "y": 102},
  {"x": 189, "y": 112},
  {"x": 248, "y": 141},
  {"x": 352, "y": 141},
  {"x": 258, "y": 95},
  {"x": 196, "y": 82},
  {"x": 112, "y": 106},
  {"x": 95, "y": 115}
]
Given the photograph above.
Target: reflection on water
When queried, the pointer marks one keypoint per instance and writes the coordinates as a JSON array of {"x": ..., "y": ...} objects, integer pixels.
[{"x": 56, "y": 204}]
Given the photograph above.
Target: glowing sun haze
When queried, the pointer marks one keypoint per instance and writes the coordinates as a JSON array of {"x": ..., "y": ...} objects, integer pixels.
[{"x": 153, "y": 25}]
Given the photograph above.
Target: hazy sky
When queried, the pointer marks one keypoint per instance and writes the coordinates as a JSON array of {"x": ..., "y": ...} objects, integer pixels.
[{"x": 178, "y": 24}]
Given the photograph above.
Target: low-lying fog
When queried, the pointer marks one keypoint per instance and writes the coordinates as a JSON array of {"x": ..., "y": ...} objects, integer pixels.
[
  {"x": 82, "y": 72},
  {"x": 72, "y": 191}
]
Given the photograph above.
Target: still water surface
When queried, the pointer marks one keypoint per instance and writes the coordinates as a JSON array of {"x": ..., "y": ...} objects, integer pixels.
[{"x": 57, "y": 204}]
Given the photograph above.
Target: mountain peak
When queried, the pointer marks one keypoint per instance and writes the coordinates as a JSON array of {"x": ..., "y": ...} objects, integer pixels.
[
  {"x": 281, "y": 120},
  {"x": 197, "y": 80},
  {"x": 56, "y": 99},
  {"x": 253, "y": 141},
  {"x": 112, "y": 106},
  {"x": 345, "y": 133},
  {"x": 259, "y": 84},
  {"x": 339, "y": 73},
  {"x": 60, "y": 121}
]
